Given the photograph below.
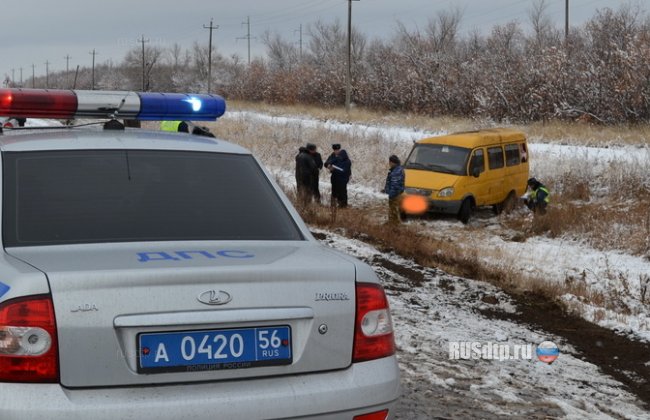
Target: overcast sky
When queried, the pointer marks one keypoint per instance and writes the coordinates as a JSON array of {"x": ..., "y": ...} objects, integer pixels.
[{"x": 36, "y": 31}]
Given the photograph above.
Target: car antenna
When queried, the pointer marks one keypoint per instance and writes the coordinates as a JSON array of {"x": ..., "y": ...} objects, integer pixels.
[{"x": 113, "y": 123}]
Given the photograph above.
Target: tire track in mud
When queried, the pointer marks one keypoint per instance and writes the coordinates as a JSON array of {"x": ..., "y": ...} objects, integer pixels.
[
  {"x": 599, "y": 365},
  {"x": 423, "y": 399},
  {"x": 623, "y": 359}
]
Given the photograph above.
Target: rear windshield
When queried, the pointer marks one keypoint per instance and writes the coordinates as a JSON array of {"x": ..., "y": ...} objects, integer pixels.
[{"x": 62, "y": 197}]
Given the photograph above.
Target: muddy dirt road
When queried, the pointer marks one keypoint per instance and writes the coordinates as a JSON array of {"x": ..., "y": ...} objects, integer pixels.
[{"x": 597, "y": 375}]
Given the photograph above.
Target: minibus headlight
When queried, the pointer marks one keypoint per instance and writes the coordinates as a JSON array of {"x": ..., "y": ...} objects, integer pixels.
[{"x": 446, "y": 192}]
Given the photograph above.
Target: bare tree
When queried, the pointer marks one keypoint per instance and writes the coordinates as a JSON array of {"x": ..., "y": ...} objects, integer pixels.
[
  {"x": 282, "y": 54},
  {"x": 133, "y": 61},
  {"x": 541, "y": 23},
  {"x": 443, "y": 30}
]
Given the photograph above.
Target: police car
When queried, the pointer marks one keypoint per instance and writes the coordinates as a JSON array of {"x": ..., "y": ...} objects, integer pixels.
[
  {"x": 155, "y": 275},
  {"x": 6, "y": 122}
]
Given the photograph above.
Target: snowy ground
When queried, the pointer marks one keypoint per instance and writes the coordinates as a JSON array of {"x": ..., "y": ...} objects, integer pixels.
[
  {"x": 558, "y": 259},
  {"x": 431, "y": 309}
]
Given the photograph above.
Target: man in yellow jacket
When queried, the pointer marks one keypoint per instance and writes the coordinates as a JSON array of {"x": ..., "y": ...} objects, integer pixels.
[
  {"x": 537, "y": 198},
  {"x": 175, "y": 126}
]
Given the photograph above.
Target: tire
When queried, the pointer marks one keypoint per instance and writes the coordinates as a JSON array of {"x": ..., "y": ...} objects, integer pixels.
[
  {"x": 506, "y": 205},
  {"x": 510, "y": 202},
  {"x": 465, "y": 211}
]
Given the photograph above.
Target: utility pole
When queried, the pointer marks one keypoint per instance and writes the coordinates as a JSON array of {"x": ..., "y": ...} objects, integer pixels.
[
  {"x": 47, "y": 74},
  {"x": 300, "y": 42},
  {"x": 67, "y": 70},
  {"x": 143, "y": 41},
  {"x": 13, "y": 76},
  {"x": 21, "y": 77},
  {"x": 566, "y": 22},
  {"x": 33, "y": 76},
  {"x": 92, "y": 83},
  {"x": 348, "y": 76},
  {"x": 248, "y": 37},
  {"x": 211, "y": 27}
]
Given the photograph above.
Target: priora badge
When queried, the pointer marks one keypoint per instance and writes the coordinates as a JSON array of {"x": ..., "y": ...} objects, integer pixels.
[{"x": 214, "y": 297}]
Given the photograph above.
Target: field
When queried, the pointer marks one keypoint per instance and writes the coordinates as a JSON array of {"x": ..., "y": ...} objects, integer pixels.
[
  {"x": 579, "y": 275},
  {"x": 591, "y": 251}
]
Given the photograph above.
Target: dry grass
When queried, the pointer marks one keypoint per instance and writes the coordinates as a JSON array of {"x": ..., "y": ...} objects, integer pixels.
[
  {"x": 365, "y": 116},
  {"x": 589, "y": 134},
  {"x": 574, "y": 132},
  {"x": 608, "y": 210},
  {"x": 455, "y": 258},
  {"x": 450, "y": 256},
  {"x": 613, "y": 223}
]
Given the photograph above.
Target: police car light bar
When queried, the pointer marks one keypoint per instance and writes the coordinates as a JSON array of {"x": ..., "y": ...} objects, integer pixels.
[{"x": 69, "y": 104}]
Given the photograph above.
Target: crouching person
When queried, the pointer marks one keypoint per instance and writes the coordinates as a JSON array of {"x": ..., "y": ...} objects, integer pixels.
[{"x": 537, "y": 197}]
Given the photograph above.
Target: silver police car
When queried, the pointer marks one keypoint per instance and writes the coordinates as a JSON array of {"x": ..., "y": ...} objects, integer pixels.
[{"x": 152, "y": 275}]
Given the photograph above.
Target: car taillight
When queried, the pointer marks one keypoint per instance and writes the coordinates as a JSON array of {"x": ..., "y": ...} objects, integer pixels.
[
  {"x": 373, "y": 331},
  {"x": 28, "y": 343},
  {"x": 378, "y": 415}
]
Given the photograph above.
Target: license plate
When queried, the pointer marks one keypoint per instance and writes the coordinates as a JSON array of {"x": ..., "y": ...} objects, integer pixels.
[{"x": 192, "y": 351}]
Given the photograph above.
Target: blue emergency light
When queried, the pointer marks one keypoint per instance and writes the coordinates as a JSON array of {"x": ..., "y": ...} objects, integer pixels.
[{"x": 69, "y": 104}]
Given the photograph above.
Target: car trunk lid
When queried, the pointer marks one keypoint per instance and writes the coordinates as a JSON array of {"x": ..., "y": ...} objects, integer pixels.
[{"x": 106, "y": 296}]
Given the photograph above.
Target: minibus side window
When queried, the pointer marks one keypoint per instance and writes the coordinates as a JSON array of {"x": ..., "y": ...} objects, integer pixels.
[
  {"x": 512, "y": 154},
  {"x": 477, "y": 162},
  {"x": 495, "y": 157}
]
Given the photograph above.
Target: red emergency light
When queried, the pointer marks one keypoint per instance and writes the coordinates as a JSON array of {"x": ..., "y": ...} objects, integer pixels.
[
  {"x": 69, "y": 104},
  {"x": 38, "y": 103}
]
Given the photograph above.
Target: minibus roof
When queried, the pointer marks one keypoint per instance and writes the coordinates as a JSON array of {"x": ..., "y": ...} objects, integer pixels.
[{"x": 472, "y": 139}]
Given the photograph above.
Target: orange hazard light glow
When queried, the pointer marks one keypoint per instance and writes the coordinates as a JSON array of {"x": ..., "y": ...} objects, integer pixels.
[{"x": 414, "y": 204}]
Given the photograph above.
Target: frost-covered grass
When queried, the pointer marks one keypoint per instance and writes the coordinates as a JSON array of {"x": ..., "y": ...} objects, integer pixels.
[
  {"x": 600, "y": 197},
  {"x": 599, "y": 194},
  {"x": 557, "y": 132}
]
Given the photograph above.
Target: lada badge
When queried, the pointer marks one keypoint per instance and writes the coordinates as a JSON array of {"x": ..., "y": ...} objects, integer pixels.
[{"x": 214, "y": 297}]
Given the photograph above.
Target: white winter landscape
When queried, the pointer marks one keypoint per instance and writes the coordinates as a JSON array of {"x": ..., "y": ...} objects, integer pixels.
[
  {"x": 431, "y": 308},
  {"x": 440, "y": 308}
]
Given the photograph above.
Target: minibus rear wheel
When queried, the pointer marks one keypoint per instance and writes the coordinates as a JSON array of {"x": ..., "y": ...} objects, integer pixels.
[{"x": 507, "y": 205}]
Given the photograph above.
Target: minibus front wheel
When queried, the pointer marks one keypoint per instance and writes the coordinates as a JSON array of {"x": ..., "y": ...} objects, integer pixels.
[{"x": 465, "y": 211}]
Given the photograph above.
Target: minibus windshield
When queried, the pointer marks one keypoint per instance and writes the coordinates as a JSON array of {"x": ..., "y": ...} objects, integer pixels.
[{"x": 439, "y": 158}]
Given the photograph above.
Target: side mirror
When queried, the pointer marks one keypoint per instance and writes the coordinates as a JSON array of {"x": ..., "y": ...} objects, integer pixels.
[{"x": 476, "y": 171}]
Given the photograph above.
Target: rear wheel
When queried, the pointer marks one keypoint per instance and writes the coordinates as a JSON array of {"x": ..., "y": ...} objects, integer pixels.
[
  {"x": 506, "y": 205},
  {"x": 465, "y": 211}
]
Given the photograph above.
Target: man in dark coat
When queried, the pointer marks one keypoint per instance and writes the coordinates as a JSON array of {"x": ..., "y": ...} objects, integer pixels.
[
  {"x": 305, "y": 167},
  {"x": 340, "y": 166},
  {"x": 318, "y": 160},
  {"x": 394, "y": 187}
]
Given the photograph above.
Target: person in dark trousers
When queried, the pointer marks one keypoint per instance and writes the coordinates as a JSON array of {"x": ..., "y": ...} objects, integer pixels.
[
  {"x": 537, "y": 198},
  {"x": 394, "y": 187},
  {"x": 318, "y": 160},
  {"x": 340, "y": 166},
  {"x": 305, "y": 167}
]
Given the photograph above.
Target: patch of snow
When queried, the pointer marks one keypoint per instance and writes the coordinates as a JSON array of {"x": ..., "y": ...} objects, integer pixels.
[
  {"x": 556, "y": 260},
  {"x": 428, "y": 317}
]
